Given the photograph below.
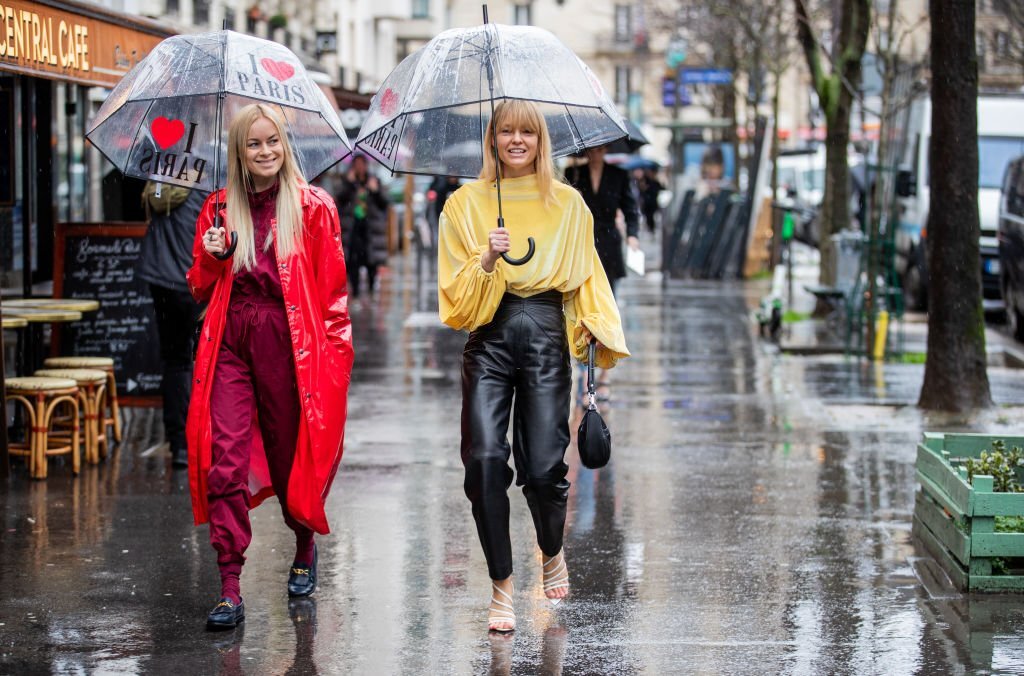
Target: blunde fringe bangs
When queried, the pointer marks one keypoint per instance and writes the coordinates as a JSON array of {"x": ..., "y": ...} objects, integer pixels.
[{"x": 524, "y": 115}]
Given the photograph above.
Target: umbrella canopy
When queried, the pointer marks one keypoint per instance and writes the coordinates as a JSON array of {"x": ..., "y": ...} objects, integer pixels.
[
  {"x": 430, "y": 114},
  {"x": 631, "y": 162},
  {"x": 166, "y": 119},
  {"x": 631, "y": 142}
]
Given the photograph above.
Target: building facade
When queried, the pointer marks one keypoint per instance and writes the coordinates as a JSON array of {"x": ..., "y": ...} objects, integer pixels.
[{"x": 57, "y": 60}]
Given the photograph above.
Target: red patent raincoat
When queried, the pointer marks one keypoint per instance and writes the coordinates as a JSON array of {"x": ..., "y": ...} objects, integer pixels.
[{"x": 313, "y": 282}]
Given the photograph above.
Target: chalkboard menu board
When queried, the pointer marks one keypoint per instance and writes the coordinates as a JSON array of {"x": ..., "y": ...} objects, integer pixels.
[{"x": 98, "y": 261}]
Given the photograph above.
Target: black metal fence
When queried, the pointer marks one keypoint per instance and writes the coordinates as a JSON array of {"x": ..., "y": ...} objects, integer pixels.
[{"x": 708, "y": 237}]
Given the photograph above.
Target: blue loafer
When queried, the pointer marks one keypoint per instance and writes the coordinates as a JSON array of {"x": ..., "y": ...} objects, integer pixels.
[
  {"x": 302, "y": 578},
  {"x": 225, "y": 615}
]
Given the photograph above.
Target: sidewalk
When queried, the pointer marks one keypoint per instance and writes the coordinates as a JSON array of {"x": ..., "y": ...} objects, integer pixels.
[
  {"x": 826, "y": 336},
  {"x": 755, "y": 519}
]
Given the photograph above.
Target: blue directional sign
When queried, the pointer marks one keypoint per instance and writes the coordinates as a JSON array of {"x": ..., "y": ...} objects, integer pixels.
[
  {"x": 718, "y": 76},
  {"x": 668, "y": 93}
]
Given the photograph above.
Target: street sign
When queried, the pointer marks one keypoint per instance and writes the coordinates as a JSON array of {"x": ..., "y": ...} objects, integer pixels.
[
  {"x": 668, "y": 93},
  {"x": 717, "y": 76}
]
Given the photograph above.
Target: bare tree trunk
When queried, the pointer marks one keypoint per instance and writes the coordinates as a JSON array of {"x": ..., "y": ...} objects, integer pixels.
[
  {"x": 835, "y": 92},
  {"x": 835, "y": 206},
  {"x": 955, "y": 378}
]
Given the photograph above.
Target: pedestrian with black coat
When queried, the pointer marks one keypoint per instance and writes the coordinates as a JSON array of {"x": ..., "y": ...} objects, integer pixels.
[
  {"x": 363, "y": 204},
  {"x": 608, "y": 189},
  {"x": 166, "y": 258},
  {"x": 649, "y": 187}
]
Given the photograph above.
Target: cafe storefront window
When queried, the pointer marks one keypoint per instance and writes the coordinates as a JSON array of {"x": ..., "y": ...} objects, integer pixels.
[
  {"x": 72, "y": 193},
  {"x": 57, "y": 62}
]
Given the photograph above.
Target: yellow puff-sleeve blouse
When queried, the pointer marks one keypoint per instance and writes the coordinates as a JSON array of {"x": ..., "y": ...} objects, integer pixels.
[{"x": 566, "y": 261}]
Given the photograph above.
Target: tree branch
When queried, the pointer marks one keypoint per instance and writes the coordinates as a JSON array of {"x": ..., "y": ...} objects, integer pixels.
[{"x": 812, "y": 53}]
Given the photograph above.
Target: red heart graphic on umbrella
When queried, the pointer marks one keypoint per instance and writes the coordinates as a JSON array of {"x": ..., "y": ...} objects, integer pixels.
[
  {"x": 388, "y": 102},
  {"x": 166, "y": 132},
  {"x": 279, "y": 70}
]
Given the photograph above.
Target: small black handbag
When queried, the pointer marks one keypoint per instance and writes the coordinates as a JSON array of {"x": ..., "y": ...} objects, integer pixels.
[{"x": 594, "y": 439}]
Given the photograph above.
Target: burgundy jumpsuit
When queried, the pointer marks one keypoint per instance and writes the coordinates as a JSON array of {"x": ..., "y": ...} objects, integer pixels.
[{"x": 255, "y": 376}]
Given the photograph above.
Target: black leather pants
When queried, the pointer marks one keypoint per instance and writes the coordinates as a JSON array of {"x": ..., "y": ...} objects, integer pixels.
[{"x": 522, "y": 352}]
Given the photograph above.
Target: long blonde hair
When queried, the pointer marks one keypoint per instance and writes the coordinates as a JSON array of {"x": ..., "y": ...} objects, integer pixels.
[
  {"x": 289, "y": 202},
  {"x": 521, "y": 114}
]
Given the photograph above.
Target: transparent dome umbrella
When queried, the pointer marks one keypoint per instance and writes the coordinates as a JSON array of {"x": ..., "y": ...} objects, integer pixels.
[
  {"x": 167, "y": 119},
  {"x": 430, "y": 114}
]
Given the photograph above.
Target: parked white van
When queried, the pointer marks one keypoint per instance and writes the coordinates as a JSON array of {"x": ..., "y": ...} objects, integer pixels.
[{"x": 1000, "y": 139}]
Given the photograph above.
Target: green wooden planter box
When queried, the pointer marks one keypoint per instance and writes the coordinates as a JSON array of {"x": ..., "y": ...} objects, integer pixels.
[{"x": 946, "y": 500}]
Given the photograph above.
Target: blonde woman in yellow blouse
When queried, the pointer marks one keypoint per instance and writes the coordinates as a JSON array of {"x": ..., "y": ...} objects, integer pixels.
[{"x": 524, "y": 321}]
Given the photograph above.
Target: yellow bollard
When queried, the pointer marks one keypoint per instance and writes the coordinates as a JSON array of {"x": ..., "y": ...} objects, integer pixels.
[{"x": 881, "y": 332}]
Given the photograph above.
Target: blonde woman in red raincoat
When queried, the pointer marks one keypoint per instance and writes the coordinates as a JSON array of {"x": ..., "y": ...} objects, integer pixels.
[{"x": 269, "y": 392}]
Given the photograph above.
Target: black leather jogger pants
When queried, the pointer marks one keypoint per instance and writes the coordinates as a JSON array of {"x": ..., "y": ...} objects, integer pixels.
[{"x": 522, "y": 352}]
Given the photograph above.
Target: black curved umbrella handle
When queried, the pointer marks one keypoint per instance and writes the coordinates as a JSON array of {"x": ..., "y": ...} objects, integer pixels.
[
  {"x": 234, "y": 243},
  {"x": 520, "y": 261}
]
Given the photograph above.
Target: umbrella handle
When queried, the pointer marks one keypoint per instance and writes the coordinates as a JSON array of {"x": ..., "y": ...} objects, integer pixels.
[
  {"x": 519, "y": 261},
  {"x": 234, "y": 243}
]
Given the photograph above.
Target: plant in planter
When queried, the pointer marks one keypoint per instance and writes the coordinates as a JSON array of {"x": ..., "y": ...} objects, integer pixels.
[
  {"x": 1000, "y": 465},
  {"x": 278, "y": 21}
]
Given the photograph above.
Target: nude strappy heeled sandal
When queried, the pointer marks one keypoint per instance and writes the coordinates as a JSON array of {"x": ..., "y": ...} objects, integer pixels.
[
  {"x": 503, "y": 613},
  {"x": 556, "y": 576}
]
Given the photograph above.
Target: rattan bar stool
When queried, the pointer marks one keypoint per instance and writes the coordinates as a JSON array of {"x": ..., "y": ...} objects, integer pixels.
[
  {"x": 105, "y": 364},
  {"x": 41, "y": 397},
  {"x": 92, "y": 393}
]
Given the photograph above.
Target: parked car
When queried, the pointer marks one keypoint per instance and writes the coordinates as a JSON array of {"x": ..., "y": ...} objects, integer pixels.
[
  {"x": 1011, "y": 246},
  {"x": 1000, "y": 138}
]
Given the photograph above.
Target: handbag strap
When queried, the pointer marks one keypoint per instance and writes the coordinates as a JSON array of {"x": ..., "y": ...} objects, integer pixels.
[{"x": 591, "y": 385}]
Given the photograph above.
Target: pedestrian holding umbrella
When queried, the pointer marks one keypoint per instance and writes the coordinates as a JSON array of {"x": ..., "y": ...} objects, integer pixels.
[
  {"x": 270, "y": 383},
  {"x": 442, "y": 97},
  {"x": 525, "y": 316},
  {"x": 165, "y": 120}
]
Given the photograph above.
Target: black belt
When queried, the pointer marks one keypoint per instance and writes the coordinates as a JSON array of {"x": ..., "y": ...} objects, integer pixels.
[{"x": 550, "y": 297}]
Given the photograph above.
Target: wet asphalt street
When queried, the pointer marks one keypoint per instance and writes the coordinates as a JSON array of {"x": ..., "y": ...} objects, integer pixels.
[{"x": 755, "y": 519}]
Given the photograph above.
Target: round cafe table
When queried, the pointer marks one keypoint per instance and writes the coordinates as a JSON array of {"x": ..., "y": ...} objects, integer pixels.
[
  {"x": 36, "y": 317},
  {"x": 51, "y": 304},
  {"x": 72, "y": 304}
]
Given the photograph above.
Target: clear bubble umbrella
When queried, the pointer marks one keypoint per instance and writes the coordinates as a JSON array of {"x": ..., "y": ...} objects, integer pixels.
[
  {"x": 166, "y": 120},
  {"x": 430, "y": 114}
]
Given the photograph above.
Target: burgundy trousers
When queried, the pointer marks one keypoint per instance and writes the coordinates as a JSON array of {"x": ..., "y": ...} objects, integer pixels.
[{"x": 255, "y": 373}]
